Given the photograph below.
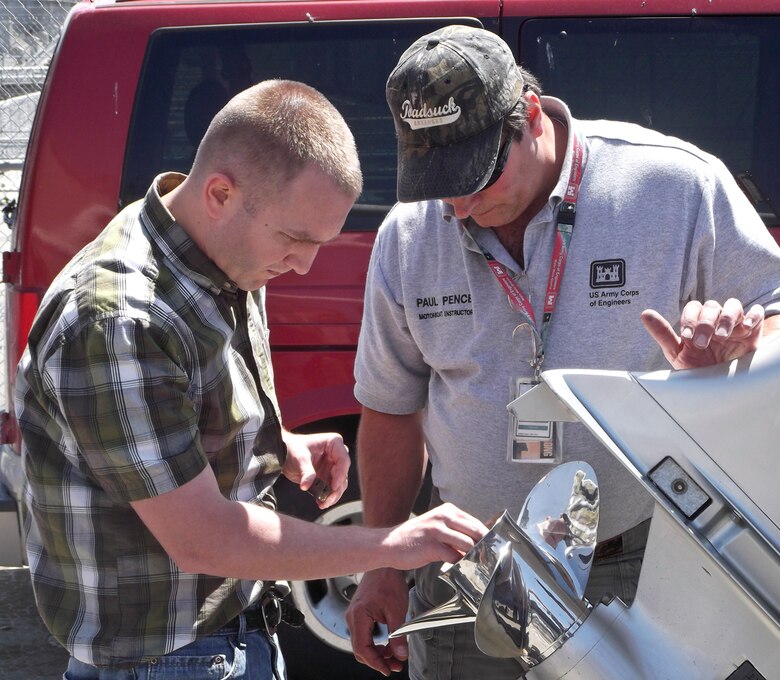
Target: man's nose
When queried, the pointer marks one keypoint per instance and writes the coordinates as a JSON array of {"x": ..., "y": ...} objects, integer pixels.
[
  {"x": 302, "y": 258},
  {"x": 463, "y": 205}
]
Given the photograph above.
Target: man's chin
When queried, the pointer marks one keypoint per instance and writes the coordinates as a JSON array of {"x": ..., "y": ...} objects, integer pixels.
[{"x": 483, "y": 221}]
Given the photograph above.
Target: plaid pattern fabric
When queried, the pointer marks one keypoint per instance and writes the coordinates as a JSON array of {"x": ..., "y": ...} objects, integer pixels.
[{"x": 144, "y": 365}]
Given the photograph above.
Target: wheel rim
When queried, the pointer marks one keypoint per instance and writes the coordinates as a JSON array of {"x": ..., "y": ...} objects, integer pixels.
[{"x": 325, "y": 601}]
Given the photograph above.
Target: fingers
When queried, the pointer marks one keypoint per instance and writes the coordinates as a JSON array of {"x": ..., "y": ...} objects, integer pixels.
[
  {"x": 314, "y": 459},
  {"x": 307, "y": 475},
  {"x": 443, "y": 534},
  {"x": 663, "y": 333},
  {"x": 298, "y": 466},
  {"x": 489, "y": 524},
  {"x": 699, "y": 323},
  {"x": 340, "y": 463},
  {"x": 397, "y": 648},
  {"x": 333, "y": 466},
  {"x": 381, "y": 597},
  {"x": 709, "y": 332},
  {"x": 460, "y": 531},
  {"x": 361, "y": 628},
  {"x": 729, "y": 316},
  {"x": 754, "y": 318}
]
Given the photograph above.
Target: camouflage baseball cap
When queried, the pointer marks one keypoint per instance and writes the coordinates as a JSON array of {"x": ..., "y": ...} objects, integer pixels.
[{"x": 449, "y": 95}]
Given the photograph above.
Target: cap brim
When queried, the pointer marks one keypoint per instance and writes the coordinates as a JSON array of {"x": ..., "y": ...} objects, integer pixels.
[{"x": 426, "y": 173}]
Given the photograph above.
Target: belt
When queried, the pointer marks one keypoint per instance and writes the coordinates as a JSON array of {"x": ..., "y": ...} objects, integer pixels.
[{"x": 268, "y": 613}]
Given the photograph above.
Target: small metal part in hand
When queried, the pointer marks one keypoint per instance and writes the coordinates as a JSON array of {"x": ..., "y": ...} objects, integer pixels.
[{"x": 320, "y": 490}]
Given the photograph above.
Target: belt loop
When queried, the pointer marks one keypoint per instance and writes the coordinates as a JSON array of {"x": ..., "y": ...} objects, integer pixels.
[
  {"x": 241, "y": 640},
  {"x": 239, "y": 644}
]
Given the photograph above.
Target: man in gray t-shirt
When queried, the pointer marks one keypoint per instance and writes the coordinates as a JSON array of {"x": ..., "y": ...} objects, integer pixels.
[{"x": 524, "y": 235}]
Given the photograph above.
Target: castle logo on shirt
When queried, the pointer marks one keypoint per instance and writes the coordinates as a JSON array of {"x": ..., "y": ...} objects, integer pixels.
[
  {"x": 608, "y": 274},
  {"x": 606, "y": 277}
]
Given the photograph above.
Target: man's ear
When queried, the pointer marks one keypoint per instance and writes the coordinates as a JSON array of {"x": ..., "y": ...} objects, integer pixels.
[
  {"x": 220, "y": 195},
  {"x": 534, "y": 113}
]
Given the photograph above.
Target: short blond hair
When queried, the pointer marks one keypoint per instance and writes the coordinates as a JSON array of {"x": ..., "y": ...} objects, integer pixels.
[{"x": 270, "y": 132}]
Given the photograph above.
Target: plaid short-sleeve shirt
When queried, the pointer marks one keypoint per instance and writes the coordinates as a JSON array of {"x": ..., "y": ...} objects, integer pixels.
[{"x": 144, "y": 364}]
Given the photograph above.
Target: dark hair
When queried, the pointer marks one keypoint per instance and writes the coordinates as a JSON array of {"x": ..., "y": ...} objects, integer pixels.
[{"x": 515, "y": 120}]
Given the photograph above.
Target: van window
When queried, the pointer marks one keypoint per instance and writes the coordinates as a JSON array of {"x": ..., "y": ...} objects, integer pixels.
[
  {"x": 713, "y": 81},
  {"x": 190, "y": 73}
]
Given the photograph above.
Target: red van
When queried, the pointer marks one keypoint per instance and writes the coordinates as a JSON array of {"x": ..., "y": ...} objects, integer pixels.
[{"x": 134, "y": 82}]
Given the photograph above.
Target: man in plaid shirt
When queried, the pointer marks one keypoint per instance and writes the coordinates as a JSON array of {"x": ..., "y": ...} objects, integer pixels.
[{"x": 152, "y": 436}]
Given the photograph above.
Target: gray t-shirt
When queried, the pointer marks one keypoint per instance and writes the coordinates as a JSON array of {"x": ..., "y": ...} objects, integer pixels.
[{"x": 659, "y": 223}]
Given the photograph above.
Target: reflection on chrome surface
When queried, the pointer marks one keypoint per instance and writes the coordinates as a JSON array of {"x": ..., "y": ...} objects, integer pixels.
[{"x": 523, "y": 583}]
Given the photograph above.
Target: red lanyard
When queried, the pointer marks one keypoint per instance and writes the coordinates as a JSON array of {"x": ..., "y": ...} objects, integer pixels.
[{"x": 564, "y": 226}]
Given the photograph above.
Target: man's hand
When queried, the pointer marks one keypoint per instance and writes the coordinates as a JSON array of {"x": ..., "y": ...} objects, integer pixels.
[
  {"x": 381, "y": 597},
  {"x": 709, "y": 333},
  {"x": 322, "y": 455},
  {"x": 443, "y": 534}
]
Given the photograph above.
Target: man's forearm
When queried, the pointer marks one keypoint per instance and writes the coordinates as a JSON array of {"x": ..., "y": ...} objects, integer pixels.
[
  {"x": 204, "y": 532},
  {"x": 391, "y": 465},
  {"x": 270, "y": 546}
]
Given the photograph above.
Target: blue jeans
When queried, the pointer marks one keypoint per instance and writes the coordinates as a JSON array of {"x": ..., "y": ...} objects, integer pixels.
[{"x": 226, "y": 654}]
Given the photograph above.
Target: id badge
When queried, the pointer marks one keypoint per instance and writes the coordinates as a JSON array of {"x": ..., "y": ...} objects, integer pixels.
[{"x": 532, "y": 441}]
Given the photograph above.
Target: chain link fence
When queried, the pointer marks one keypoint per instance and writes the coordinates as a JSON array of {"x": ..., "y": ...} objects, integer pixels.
[{"x": 29, "y": 30}]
